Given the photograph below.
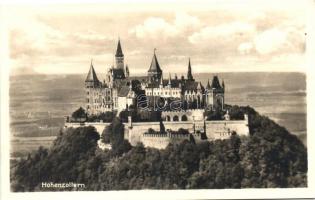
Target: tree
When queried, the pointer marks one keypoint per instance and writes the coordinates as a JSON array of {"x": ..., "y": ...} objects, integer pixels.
[
  {"x": 269, "y": 157},
  {"x": 79, "y": 114}
]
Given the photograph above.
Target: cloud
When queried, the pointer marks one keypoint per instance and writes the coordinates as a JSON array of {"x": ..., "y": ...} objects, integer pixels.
[
  {"x": 157, "y": 27},
  {"x": 214, "y": 40},
  {"x": 245, "y": 48},
  {"x": 275, "y": 41},
  {"x": 227, "y": 31},
  {"x": 154, "y": 27},
  {"x": 270, "y": 41}
]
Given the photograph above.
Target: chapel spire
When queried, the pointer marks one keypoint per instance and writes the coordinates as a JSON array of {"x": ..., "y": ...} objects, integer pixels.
[
  {"x": 119, "y": 52},
  {"x": 189, "y": 74},
  {"x": 119, "y": 56}
]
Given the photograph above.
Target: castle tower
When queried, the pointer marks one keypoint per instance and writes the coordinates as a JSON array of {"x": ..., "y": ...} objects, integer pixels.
[
  {"x": 119, "y": 57},
  {"x": 155, "y": 71},
  {"x": 218, "y": 93},
  {"x": 209, "y": 95},
  {"x": 189, "y": 73},
  {"x": 91, "y": 84},
  {"x": 91, "y": 80}
]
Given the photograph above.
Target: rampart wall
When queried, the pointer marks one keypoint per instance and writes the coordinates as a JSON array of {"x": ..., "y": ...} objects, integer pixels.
[{"x": 134, "y": 131}]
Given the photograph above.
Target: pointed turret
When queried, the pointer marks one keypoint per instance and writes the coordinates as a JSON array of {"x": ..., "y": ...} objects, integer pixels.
[
  {"x": 119, "y": 56},
  {"x": 189, "y": 74},
  {"x": 208, "y": 85},
  {"x": 119, "y": 52},
  {"x": 161, "y": 82},
  {"x": 91, "y": 79},
  {"x": 155, "y": 70},
  {"x": 215, "y": 83}
]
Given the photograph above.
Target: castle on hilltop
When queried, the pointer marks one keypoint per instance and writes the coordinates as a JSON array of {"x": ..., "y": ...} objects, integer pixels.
[
  {"x": 120, "y": 90},
  {"x": 182, "y": 104}
]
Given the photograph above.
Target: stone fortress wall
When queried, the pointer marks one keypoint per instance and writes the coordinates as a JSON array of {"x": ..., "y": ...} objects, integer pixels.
[{"x": 135, "y": 131}]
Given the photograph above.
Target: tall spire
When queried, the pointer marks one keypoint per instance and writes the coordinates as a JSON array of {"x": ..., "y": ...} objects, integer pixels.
[
  {"x": 119, "y": 57},
  {"x": 189, "y": 74},
  {"x": 91, "y": 77},
  {"x": 155, "y": 69},
  {"x": 119, "y": 52}
]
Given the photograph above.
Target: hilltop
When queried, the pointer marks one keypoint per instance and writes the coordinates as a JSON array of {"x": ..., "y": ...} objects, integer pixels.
[{"x": 270, "y": 157}]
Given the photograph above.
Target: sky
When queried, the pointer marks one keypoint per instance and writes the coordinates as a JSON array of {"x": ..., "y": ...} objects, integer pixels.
[{"x": 216, "y": 36}]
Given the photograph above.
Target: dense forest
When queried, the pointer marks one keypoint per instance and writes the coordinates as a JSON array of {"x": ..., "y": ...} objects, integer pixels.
[{"x": 269, "y": 157}]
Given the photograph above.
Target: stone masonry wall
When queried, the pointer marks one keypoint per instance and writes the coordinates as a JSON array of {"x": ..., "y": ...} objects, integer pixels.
[{"x": 134, "y": 131}]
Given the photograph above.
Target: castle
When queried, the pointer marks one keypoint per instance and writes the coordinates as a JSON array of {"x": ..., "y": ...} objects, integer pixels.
[
  {"x": 120, "y": 90},
  {"x": 182, "y": 104}
]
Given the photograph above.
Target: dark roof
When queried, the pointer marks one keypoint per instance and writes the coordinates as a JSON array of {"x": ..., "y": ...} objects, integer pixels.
[
  {"x": 156, "y": 84},
  {"x": 155, "y": 67},
  {"x": 91, "y": 77},
  {"x": 216, "y": 83},
  {"x": 192, "y": 86},
  {"x": 119, "y": 52},
  {"x": 189, "y": 85}
]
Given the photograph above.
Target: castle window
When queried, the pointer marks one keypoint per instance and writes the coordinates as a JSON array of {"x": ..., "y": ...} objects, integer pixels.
[
  {"x": 87, "y": 93},
  {"x": 175, "y": 118},
  {"x": 184, "y": 118},
  {"x": 168, "y": 118},
  {"x": 88, "y": 100}
]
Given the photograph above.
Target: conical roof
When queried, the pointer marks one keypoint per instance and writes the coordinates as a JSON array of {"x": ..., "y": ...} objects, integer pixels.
[
  {"x": 208, "y": 85},
  {"x": 119, "y": 52},
  {"x": 189, "y": 74},
  {"x": 215, "y": 83},
  {"x": 155, "y": 67},
  {"x": 91, "y": 77}
]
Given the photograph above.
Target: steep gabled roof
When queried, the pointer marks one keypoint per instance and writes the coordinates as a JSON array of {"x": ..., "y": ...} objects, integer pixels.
[
  {"x": 119, "y": 52},
  {"x": 91, "y": 77},
  {"x": 155, "y": 67}
]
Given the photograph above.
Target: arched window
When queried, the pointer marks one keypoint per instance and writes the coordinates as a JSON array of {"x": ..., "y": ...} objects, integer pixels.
[
  {"x": 184, "y": 118},
  {"x": 175, "y": 118},
  {"x": 168, "y": 118}
]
